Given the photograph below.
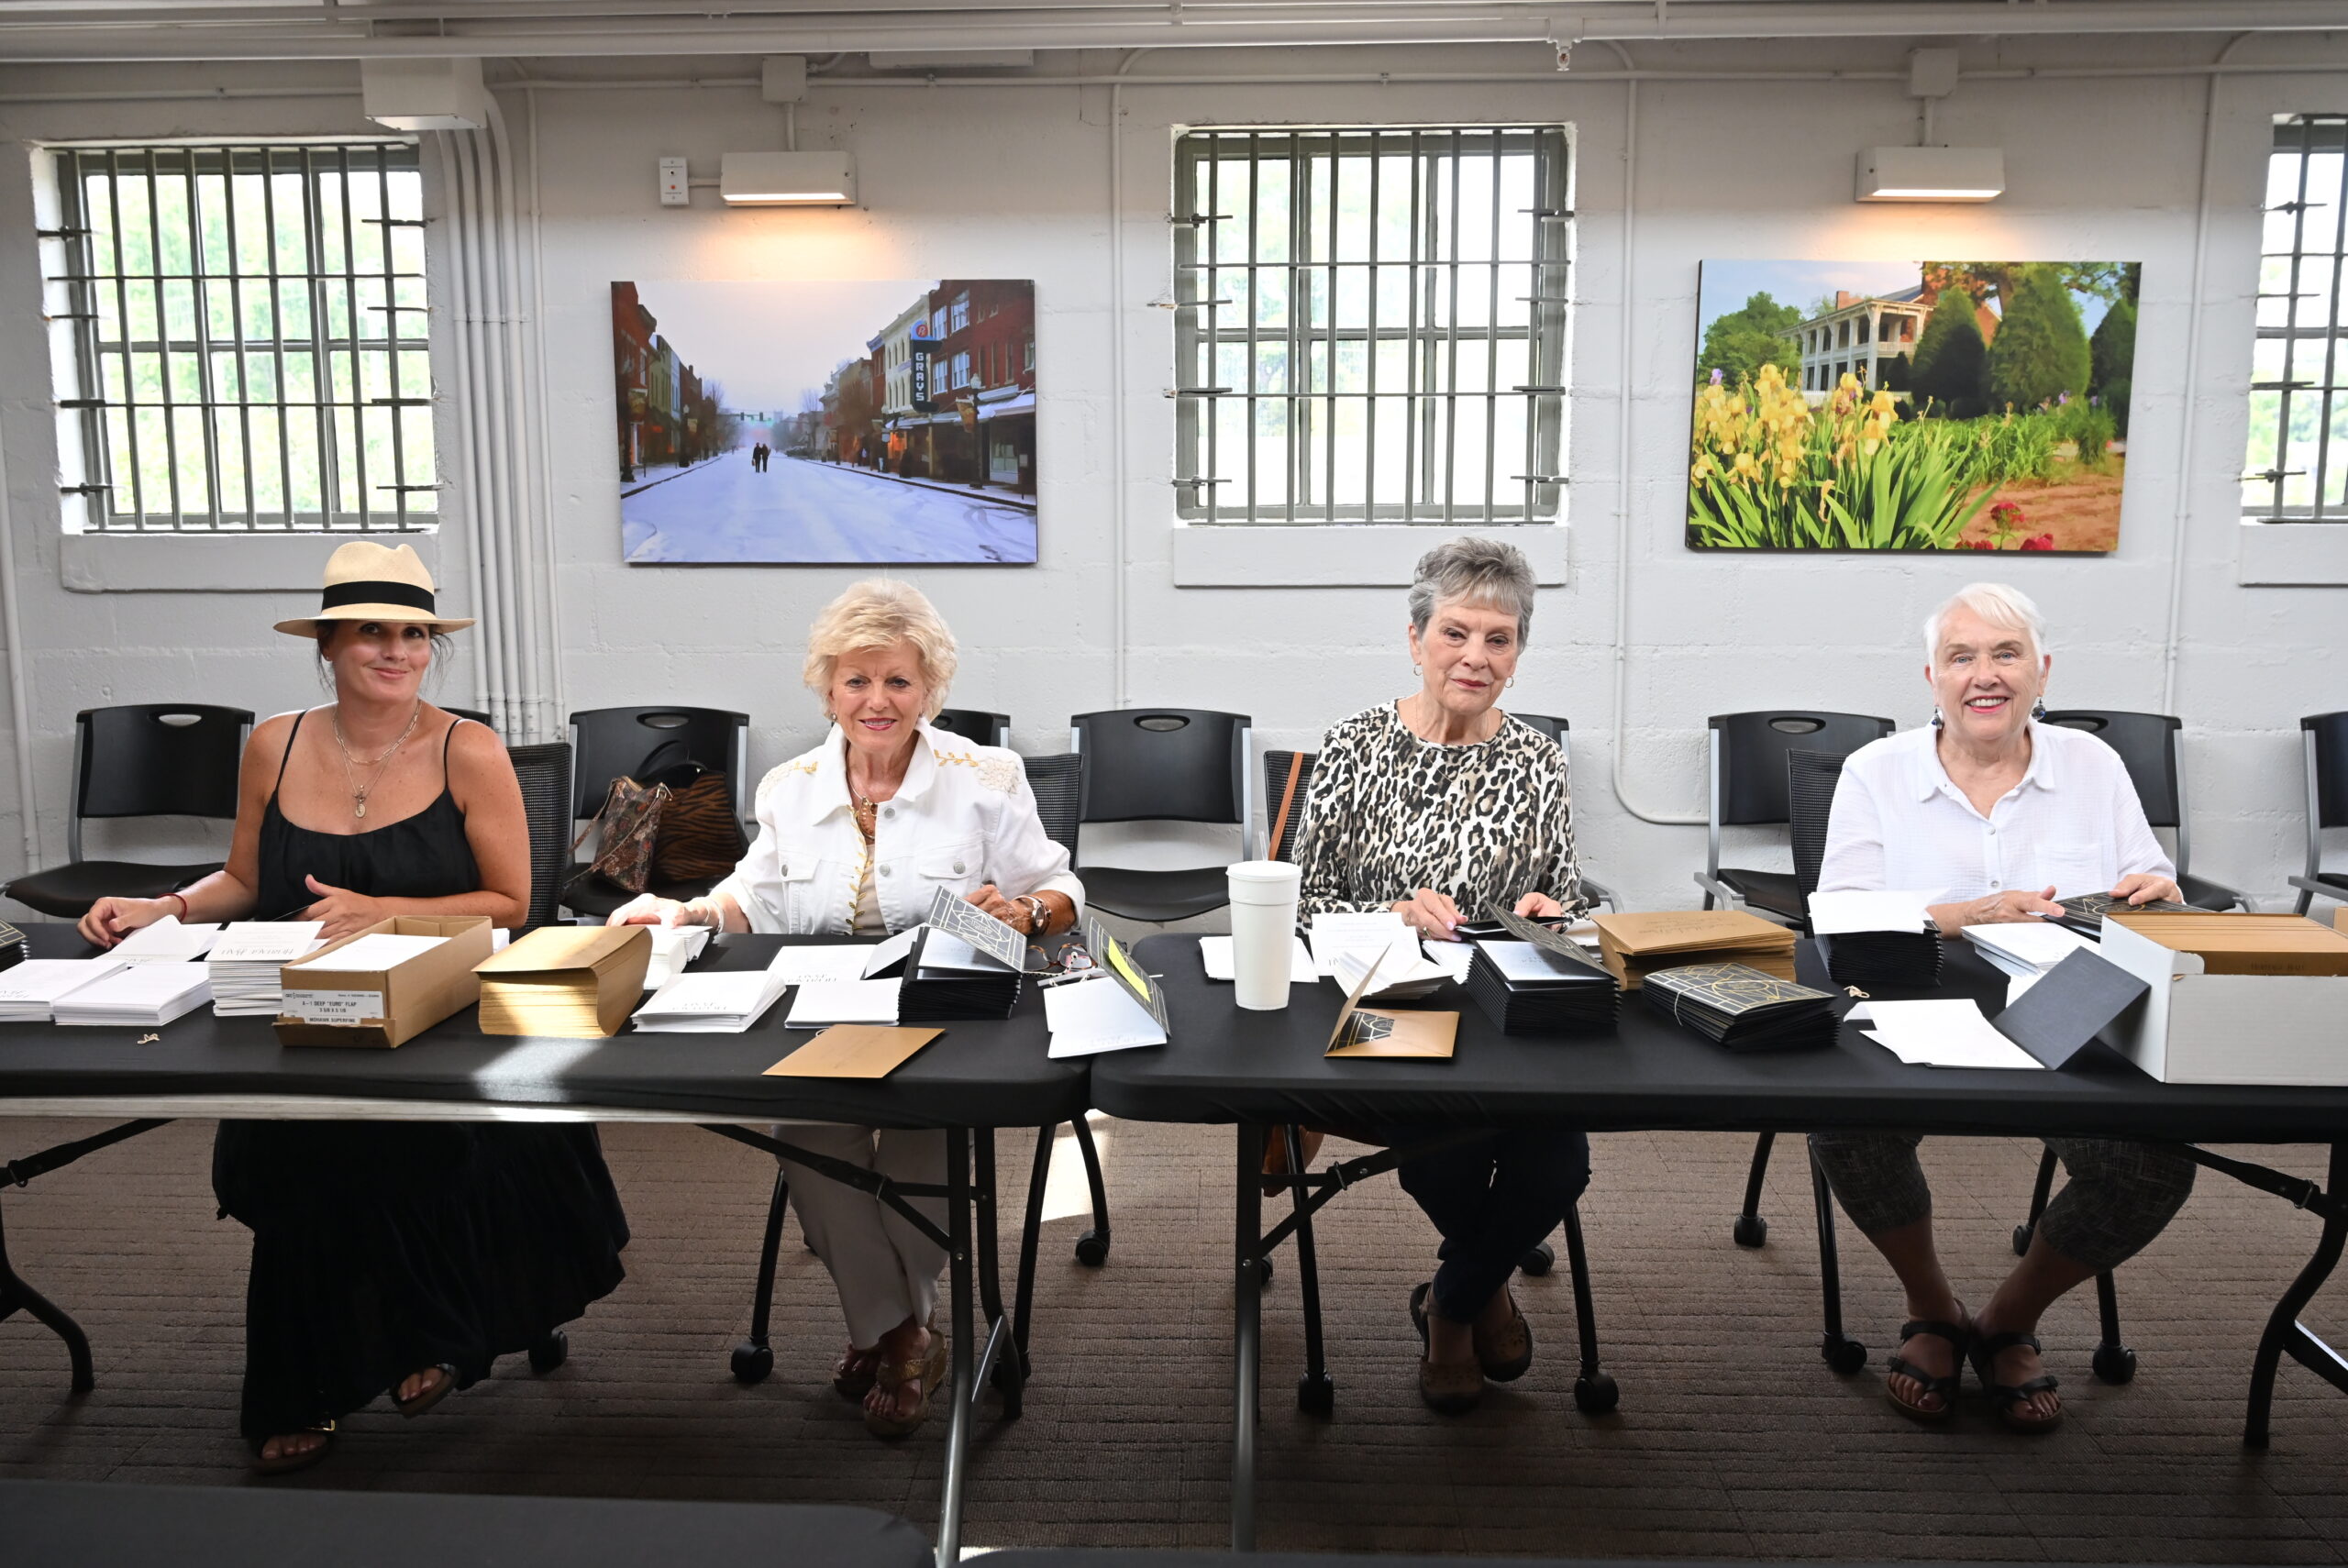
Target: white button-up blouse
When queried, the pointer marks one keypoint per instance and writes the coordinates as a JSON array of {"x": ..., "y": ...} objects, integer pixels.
[
  {"x": 963, "y": 816},
  {"x": 2074, "y": 822}
]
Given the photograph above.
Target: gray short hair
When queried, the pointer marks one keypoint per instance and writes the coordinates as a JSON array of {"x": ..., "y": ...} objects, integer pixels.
[
  {"x": 1479, "y": 571},
  {"x": 2001, "y": 606}
]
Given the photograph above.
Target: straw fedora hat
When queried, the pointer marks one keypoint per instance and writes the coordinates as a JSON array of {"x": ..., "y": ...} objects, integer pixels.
[{"x": 368, "y": 582}]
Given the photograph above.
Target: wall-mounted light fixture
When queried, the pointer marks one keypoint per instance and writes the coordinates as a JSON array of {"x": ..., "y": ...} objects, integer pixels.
[
  {"x": 1931, "y": 173},
  {"x": 406, "y": 94},
  {"x": 787, "y": 179}
]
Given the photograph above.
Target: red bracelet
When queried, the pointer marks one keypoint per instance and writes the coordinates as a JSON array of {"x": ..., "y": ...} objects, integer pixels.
[{"x": 183, "y": 905}]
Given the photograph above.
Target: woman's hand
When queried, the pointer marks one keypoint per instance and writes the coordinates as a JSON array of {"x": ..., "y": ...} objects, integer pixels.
[
  {"x": 650, "y": 909},
  {"x": 2015, "y": 904},
  {"x": 1539, "y": 906},
  {"x": 988, "y": 899},
  {"x": 343, "y": 910},
  {"x": 1429, "y": 914},
  {"x": 111, "y": 920},
  {"x": 2143, "y": 888}
]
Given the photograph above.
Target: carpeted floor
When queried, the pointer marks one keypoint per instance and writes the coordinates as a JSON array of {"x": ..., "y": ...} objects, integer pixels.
[{"x": 1732, "y": 1440}]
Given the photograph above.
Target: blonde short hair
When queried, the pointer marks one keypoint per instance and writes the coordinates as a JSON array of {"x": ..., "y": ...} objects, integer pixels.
[
  {"x": 872, "y": 614},
  {"x": 2008, "y": 609}
]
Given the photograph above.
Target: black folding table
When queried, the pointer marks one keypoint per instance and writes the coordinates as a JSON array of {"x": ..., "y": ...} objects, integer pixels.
[
  {"x": 977, "y": 1077},
  {"x": 1258, "y": 1069}
]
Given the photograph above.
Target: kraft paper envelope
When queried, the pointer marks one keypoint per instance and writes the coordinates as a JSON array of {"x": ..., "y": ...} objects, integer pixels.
[
  {"x": 1376, "y": 1032},
  {"x": 853, "y": 1051}
]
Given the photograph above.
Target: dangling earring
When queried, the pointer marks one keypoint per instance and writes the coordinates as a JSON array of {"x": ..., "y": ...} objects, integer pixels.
[
  {"x": 1936, "y": 716},
  {"x": 2038, "y": 710}
]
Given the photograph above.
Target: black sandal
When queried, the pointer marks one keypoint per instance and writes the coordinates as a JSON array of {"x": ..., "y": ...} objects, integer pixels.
[
  {"x": 1960, "y": 1338},
  {"x": 2010, "y": 1397},
  {"x": 414, "y": 1408}
]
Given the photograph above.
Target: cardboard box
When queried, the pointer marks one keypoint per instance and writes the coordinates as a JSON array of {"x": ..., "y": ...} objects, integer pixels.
[
  {"x": 2247, "y": 943},
  {"x": 572, "y": 982},
  {"x": 329, "y": 1005},
  {"x": 2197, "y": 1025}
]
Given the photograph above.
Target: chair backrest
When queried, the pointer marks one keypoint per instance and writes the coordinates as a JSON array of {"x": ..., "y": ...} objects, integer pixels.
[
  {"x": 545, "y": 773},
  {"x": 2147, "y": 744},
  {"x": 972, "y": 724},
  {"x": 2326, "y": 736},
  {"x": 1058, "y": 783},
  {"x": 1556, "y": 729},
  {"x": 1163, "y": 765},
  {"x": 1280, "y": 833},
  {"x": 475, "y": 714},
  {"x": 1749, "y": 756},
  {"x": 147, "y": 759},
  {"x": 1811, "y": 778},
  {"x": 608, "y": 743}
]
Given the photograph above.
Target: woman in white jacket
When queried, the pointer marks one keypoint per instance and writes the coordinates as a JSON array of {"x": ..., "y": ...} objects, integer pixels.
[{"x": 854, "y": 838}]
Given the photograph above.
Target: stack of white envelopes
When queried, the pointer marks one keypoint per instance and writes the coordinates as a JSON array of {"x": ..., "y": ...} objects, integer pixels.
[
  {"x": 29, "y": 991},
  {"x": 248, "y": 964},
  {"x": 137, "y": 996}
]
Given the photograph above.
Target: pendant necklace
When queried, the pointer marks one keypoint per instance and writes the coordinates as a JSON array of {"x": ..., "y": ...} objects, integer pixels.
[{"x": 359, "y": 791}]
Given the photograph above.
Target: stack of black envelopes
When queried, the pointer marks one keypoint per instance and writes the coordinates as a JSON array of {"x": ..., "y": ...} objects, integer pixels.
[
  {"x": 1536, "y": 981},
  {"x": 13, "y": 946},
  {"x": 2085, "y": 912},
  {"x": 1737, "y": 1006},
  {"x": 1883, "y": 960},
  {"x": 965, "y": 965}
]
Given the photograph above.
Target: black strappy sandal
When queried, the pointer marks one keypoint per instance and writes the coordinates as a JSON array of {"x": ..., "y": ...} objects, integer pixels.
[
  {"x": 430, "y": 1397},
  {"x": 2010, "y": 1397},
  {"x": 1960, "y": 1338}
]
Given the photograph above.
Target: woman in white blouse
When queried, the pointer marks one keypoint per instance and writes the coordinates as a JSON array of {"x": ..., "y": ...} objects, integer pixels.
[
  {"x": 854, "y": 839},
  {"x": 1996, "y": 816}
]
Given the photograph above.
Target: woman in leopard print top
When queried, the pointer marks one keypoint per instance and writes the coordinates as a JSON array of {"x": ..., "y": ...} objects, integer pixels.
[{"x": 1435, "y": 806}]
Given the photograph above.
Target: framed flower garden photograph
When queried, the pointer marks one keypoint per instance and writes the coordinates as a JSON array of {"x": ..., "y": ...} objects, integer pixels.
[{"x": 1911, "y": 405}]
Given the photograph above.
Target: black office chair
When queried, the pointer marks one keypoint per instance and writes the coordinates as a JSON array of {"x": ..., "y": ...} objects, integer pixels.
[
  {"x": 1810, "y": 781},
  {"x": 970, "y": 724},
  {"x": 141, "y": 760},
  {"x": 1279, "y": 832},
  {"x": 1161, "y": 765},
  {"x": 2324, "y": 739},
  {"x": 2151, "y": 745},
  {"x": 612, "y": 743},
  {"x": 545, "y": 773},
  {"x": 1748, "y": 789},
  {"x": 1561, "y": 731},
  {"x": 475, "y": 714}
]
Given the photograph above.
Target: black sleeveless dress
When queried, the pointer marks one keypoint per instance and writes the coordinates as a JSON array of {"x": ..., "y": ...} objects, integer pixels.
[{"x": 383, "y": 1248}]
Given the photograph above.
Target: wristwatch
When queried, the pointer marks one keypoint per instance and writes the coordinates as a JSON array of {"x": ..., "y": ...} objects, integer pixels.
[{"x": 1040, "y": 915}]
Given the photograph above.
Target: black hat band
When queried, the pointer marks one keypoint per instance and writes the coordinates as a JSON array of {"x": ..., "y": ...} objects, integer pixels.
[{"x": 406, "y": 593}]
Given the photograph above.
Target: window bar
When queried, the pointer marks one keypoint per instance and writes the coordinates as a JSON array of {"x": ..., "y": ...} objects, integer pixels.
[
  {"x": 1332, "y": 238},
  {"x": 1493, "y": 333},
  {"x": 1203, "y": 314},
  {"x": 1298, "y": 200},
  {"x": 397, "y": 413},
  {"x": 1412, "y": 404},
  {"x": 1369, "y": 348},
  {"x": 237, "y": 311},
  {"x": 313, "y": 240},
  {"x": 355, "y": 383},
  {"x": 1451, "y": 356},
  {"x": 2291, "y": 318},
  {"x": 1535, "y": 361},
  {"x": 163, "y": 337},
  {"x": 207, "y": 384},
  {"x": 277, "y": 334},
  {"x": 81, "y": 292},
  {"x": 122, "y": 326},
  {"x": 2331, "y": 337},
  {"x": 1254, "y": 369}
]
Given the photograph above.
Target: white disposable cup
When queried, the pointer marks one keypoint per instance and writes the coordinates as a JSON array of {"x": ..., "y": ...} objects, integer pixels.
[{"x": 1263, "y": 930}]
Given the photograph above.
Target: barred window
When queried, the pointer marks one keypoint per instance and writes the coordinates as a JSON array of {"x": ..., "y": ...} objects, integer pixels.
[
  {"x": 2297, "y": 470},
  {"x": 248, "y": 346},
  {"x": 1370, "y": 324}
]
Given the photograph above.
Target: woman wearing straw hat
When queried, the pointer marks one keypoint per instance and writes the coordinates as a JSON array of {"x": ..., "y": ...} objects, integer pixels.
[{"x": 387, "y": 1257}]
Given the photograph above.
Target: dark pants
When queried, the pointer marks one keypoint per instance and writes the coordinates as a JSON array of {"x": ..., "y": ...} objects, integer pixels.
[{"x": 1493, "y": 1199}]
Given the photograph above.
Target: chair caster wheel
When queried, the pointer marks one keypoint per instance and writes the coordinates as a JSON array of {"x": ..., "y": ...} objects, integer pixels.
[
  {"x": 1316, "y": 1396},
  {"x": 752, "y": 1362},
  {"x": 1844, "y": 1355},
  {"x": 2021, "y": 1238},
  {"x": 1750, "y": 1229},
  {"x": 1595, "y": 1394},
  {"x": 1539, "y": 1261},
  {"x": 551, "y": 1352},
  {"x": 2114, "y": 1363},
  {"x": 1092, "y": 1249},
  {"x": 1263, "y": 1273}
]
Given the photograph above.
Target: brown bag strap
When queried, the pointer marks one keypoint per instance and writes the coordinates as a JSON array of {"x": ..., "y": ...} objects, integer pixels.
[{"x": 1287, "y": 797}]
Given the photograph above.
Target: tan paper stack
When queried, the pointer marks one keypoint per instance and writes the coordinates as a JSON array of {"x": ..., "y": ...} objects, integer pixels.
[
  {"x": 1635, "y": 945},
  {"x": 575, "y": 982},
  {"x": 2247, "y": 943}
]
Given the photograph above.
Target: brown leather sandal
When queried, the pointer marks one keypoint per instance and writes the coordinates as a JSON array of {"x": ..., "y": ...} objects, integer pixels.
[
  {"x": 854, "y": 1373},
  {"x": 1508, "y": 1355},
  {"x": 1447, "y": 1389},
  {"x": 924, "y": 1373}
]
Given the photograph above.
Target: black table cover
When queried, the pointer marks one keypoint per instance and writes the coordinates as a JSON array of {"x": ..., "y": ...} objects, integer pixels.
[
  {"x": 81, "y": 1524},
  {"x": 977, "y": 1075},
  {"x": 1224, "y": 1065}
]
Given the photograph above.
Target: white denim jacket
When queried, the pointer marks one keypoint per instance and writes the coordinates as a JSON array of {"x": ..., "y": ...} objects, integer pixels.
[{"x": 963, "y": 816}]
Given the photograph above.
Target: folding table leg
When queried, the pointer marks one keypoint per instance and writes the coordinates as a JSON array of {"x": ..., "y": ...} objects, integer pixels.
[
  {"x": 1030, "y": 1235},
  {"x": 16, "y": 1294},
  {"x": 1751, "y": 1229},
  {"x": 1245, "y": 1336},
  {"x": 1092, "y": 1246},
  {"x": 1594, "y": 1390},
  {"x": 1315, "y": 1394},
  {"x": 1001, "y": 1361},
  {"x": 754, "y": 1357},
  {"x": 957, "y": 1430},
  {"x": 1842, "y": 1352},
  {"x": 2284, "y": 1331}
]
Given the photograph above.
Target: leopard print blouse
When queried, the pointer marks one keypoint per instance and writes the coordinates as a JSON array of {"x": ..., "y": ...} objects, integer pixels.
[{"x": 1388, "y": 813}]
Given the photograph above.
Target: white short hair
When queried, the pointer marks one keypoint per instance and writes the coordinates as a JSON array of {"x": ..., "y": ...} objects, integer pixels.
[{"x": 1996, "y": 602}]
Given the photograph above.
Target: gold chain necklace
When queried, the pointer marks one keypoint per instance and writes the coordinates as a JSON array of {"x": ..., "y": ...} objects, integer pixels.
[{"x": 359, "y": 791}]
